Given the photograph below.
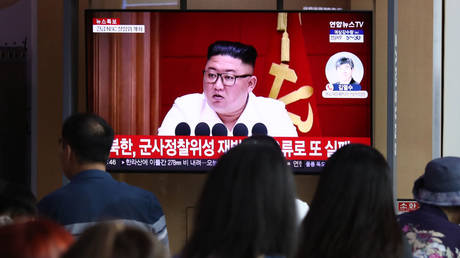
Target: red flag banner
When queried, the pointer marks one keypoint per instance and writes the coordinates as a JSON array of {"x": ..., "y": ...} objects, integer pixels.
[{"x": 292, "y": 80}]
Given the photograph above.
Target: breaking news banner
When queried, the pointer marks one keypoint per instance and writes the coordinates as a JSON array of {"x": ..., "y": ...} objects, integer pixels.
[
  {"x": 112, "y": 25},
  {"x": 145, "y": 152},
  {"x": 407, "y": 205}
]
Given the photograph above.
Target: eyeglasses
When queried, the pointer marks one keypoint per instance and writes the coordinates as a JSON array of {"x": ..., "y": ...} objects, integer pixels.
[{"x": 227, "y": 78}]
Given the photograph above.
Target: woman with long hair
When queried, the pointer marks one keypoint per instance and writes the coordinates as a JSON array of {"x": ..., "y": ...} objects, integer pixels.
[
  {"x": 247, "y": 206},
  {"x": 352, "y": 213}
]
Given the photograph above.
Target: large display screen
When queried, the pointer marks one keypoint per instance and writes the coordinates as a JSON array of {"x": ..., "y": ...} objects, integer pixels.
[{"x": 174, "y": 108}]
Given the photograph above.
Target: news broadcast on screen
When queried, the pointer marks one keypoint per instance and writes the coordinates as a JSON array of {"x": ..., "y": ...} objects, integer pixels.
[{"x": 181, "y": 88}]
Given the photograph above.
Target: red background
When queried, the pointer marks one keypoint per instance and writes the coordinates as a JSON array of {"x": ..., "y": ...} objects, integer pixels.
[
  {"x": 185, "y": 36},
  {"x": 182, "y": 39}
]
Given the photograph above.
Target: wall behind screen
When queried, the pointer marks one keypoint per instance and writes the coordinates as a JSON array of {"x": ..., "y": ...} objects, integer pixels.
[
  {"x": 451, "y": 116},
  {"x": 415, "y": 92}
]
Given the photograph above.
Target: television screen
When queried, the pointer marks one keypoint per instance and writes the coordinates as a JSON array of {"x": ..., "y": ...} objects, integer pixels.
[{"x": 182, "y": 87}]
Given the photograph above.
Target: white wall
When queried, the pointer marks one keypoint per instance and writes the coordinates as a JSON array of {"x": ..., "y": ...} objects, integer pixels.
[{"x": 451, "y": 116}]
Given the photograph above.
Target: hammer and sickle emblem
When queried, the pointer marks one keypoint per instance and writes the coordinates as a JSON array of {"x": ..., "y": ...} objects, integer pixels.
[
  {"x": 303, "y": 92},
  {"x": 283, "y": 72}
]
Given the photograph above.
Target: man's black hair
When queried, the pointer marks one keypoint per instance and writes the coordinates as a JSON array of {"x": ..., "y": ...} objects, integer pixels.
[
  {"x": 246, "y": 53},
  {"x": 89, "y": 136},
  {"x": 345, "y": 60}
]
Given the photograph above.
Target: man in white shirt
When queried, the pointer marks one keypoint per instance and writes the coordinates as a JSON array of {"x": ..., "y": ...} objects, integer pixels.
[{"x": 227, "y": 96}]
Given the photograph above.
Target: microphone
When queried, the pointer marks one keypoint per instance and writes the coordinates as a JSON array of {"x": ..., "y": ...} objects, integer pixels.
[
  {"x": 182, "y": 129},
  {"x": 219, "y": 129},
  {"x": 240, "y": 130},
  {"x": 259, "y": 129},
  {"x": 202, "y": 129}
]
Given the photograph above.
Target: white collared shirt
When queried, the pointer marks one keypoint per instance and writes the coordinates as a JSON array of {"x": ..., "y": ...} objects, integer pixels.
[{"x": 193, "y": 109}]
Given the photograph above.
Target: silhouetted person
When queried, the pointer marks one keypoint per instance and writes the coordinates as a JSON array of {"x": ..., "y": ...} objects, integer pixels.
[
  {"x": 92, "y": 194},
  {"x": 246, "y": 208},
  {"x": 352, "y": 214},
  {"x": 301, "y": 206}
]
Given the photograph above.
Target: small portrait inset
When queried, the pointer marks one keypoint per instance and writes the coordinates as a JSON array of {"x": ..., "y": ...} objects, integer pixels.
[{"x": 344, "y": 71}]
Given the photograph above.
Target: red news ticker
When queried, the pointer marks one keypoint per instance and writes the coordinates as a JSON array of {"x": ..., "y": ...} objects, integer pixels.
[
  {"x": 106, "y": 21},
  {"x": 212, "y": 147}
]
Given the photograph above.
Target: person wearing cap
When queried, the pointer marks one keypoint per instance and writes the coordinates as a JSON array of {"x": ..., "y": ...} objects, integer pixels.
[{"x": 433, "y": 230}]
